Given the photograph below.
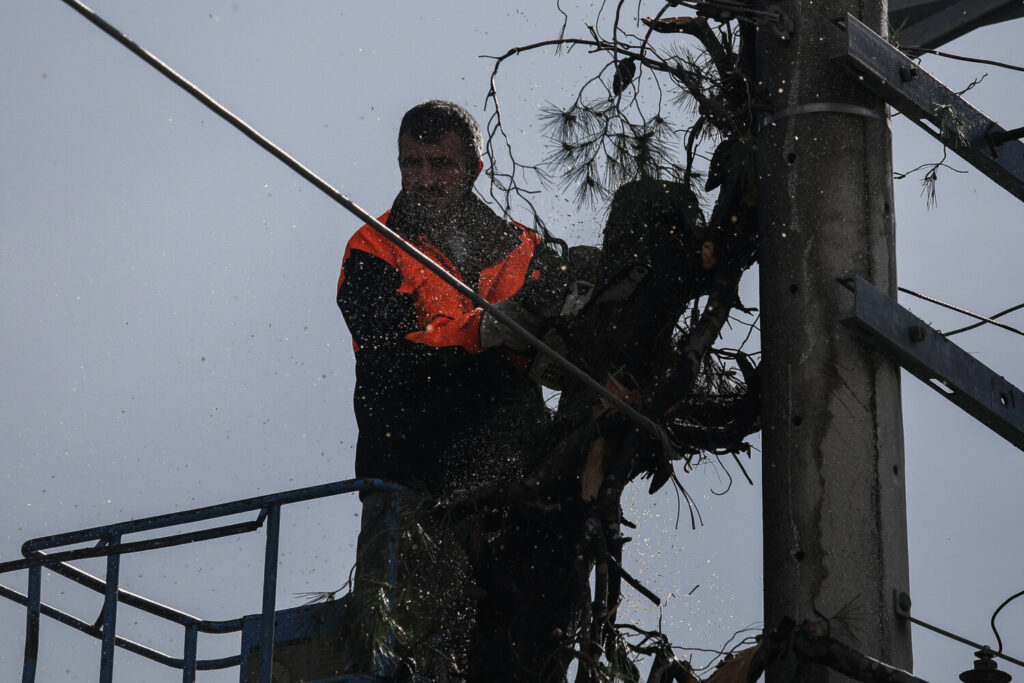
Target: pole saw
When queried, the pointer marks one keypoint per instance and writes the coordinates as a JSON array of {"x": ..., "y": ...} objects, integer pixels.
[{"x": 622, "y": 406}]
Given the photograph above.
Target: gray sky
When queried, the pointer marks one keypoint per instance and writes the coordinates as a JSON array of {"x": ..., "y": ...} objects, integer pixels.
[{"x": 171, "y": 340}]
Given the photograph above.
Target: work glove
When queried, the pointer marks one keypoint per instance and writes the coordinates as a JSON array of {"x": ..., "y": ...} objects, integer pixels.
[{"x": 495, "y": 333}]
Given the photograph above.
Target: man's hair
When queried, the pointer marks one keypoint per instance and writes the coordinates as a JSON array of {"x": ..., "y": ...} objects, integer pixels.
[{"x": 430, "y": 120}]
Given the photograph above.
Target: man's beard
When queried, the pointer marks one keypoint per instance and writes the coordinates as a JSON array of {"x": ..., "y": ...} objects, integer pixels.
[
  {"x": 429, "y": 202},
  {"x": 466, "y": 229},
  {"x": 429, "y": 211}
]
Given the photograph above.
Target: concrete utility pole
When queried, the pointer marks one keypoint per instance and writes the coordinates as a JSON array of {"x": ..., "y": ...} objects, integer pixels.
[{"x": 835, "y": 540}]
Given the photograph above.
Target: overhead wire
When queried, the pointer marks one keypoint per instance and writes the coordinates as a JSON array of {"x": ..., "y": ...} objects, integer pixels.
[
  {"x": 999, "y": 640},
  {"x": 1000, "y": 314},
  {"x": 984, "y": 320},
  {"x": 960, "y": 639},
  {"x": 962, "y": 58}
]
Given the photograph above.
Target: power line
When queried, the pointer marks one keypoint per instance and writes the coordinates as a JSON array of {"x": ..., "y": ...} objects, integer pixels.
[
  {"x": 999, "y": 640},
  {"x": 962, "y": 58},
  {"x": 904, "y": 612},
  {"x": 979, "y": 324},
  {"x": 983, "y": 319}
]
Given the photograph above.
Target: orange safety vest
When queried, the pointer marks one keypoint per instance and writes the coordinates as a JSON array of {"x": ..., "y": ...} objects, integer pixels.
[{"x": 445, "y": 316}]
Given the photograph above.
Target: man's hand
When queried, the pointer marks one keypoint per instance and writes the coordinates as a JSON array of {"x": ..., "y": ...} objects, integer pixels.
[{"x": 495, "y": 333}]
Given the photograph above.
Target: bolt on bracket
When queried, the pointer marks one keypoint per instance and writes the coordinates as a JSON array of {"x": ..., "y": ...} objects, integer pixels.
[{"x": 943, "y": 113}]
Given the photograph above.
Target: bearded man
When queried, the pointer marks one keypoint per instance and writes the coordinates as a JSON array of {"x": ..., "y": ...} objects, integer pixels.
[{"x": 443, "y": 398}]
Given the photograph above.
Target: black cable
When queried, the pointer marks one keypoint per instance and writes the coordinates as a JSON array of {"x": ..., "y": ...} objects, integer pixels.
[
  {"x": 979, "y": 324},
  {"x": 976, "y": 60},
  {"x": 951, "y": 307},
  {"x": 960, "y": 639},
  {"x": 999, "y": 641}
]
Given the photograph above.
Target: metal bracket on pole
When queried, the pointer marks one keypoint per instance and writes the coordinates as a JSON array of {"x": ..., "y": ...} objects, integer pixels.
[
  {"x": 930, "y": 23},
  {"x": 947, "y": 116},
  {"x": 938, "y": 362}
]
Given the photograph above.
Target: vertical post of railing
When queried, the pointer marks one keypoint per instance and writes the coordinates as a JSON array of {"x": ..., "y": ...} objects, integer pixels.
[
  {"x": 269, "y": 593},
  {"x": 385, "y": 665},
  {"x": 110, "y": 614},
  {"x": 35, "y": 587},
  {"x": 188, "y": 670}
]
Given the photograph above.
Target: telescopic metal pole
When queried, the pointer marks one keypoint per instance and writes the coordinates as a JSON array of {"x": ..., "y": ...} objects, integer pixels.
[{"x": 321, "y": 184}]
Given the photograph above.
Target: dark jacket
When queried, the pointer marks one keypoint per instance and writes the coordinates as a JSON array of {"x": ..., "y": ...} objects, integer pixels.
[{"x": 429, "y": 401}]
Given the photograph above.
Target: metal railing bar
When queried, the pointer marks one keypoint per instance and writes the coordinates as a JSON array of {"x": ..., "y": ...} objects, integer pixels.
[
  {"x": 131, "y": 547},
  {"x": 131, "y": 646},
  {"x": 172, "y": 662},
  {"x": 84, "y": 578},
  {"x": 33, "y": 602},
  {"x": 90, "y": 630},
  {"x": 209, "y": 512},
  {"x": 139, "y": 602},
  {"x": 222, "y": 663},
  {"x": 109, "y": 618},
  {"x": 188, "y": 669},
  {"x": 269, "y": 593}
]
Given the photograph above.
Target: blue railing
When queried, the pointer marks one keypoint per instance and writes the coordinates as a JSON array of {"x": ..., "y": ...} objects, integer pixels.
[{"x": 258, "y": 631}]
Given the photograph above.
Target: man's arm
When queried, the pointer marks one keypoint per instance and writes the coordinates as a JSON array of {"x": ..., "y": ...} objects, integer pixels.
[
  {"x": 381, "y": 318},
  {"x": 376, "y": 313}
]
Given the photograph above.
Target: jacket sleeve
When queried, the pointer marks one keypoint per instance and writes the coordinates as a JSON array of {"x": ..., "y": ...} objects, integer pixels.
[
  {"x": 376, "y": 313},
  {"x": 383, "y": 322},
  {"x": 390, "y": 301}
]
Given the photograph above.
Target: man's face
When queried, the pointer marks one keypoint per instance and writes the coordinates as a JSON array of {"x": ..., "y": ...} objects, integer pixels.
[{"x": 435, "y": 175}]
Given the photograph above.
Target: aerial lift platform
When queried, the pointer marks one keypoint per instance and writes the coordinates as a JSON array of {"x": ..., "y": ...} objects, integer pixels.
[{"x": 299, "y": 644}]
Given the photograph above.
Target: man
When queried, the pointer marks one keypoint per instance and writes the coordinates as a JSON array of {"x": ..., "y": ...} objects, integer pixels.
[{"x": 443, "y": 399}]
